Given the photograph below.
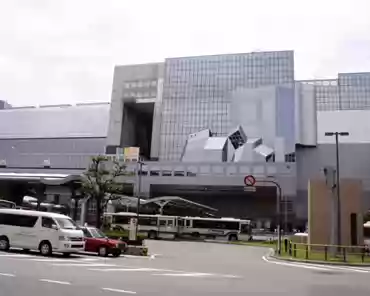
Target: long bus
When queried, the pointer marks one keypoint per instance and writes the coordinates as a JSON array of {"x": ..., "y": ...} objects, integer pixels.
[
  {"x": 161, "y": 226},
  {"x": 152, "y": 226},
  {"x": 367, "y": 234},
  {"x": 231, "y": 229}
]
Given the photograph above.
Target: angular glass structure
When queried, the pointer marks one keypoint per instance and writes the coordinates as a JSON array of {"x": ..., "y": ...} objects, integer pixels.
[{"x": 197, "y": 92}]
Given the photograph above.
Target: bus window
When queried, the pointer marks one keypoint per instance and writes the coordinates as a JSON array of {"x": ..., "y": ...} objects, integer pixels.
[{"x": 170, "y": 223}]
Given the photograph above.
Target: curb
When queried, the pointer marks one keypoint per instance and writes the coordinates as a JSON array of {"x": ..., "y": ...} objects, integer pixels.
[{"x": 318, "y": 262}]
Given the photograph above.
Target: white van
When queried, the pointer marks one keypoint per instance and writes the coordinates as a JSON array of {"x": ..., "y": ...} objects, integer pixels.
[{"x": 43, "y": 231}]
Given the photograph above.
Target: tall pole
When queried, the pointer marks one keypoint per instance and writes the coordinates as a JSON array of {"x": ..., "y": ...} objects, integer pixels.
[
  {"x": 339, "y": 220},
  {"x": 138, "y": 193}
]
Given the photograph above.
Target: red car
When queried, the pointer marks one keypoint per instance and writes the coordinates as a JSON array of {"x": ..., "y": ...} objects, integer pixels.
[{"x": 97, "y": 242}]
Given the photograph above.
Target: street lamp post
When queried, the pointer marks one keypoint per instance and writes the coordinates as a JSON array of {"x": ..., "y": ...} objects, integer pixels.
[
  {"x": 339, "y": 222},
  {"x": 138, "y": 193},
  {"x": 278, "y": 210}
]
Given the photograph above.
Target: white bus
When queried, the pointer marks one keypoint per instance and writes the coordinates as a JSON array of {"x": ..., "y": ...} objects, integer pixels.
[
  {"x": 160, "y": 226},
  {"x": 7, "y": 204},
  {"x": 226, "y": 228},
  {"x": 152, "y": 226},
  {"x": 367, "y": 233},
  {"x": 43, "y": 231}
]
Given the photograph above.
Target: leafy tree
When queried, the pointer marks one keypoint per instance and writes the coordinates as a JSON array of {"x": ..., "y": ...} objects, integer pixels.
[{"x": 102, "y": 184}]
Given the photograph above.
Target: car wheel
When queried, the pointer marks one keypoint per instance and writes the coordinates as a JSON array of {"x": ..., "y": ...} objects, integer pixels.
[
  {"x": 233, "y": 237},
  {"x": 45, "y": 249},
  {"x": 103, "y": 251},
  {"x": 152, "y": 235},
  {"x": 116, "y": 253},
  {"x": 4, "y": 243}
]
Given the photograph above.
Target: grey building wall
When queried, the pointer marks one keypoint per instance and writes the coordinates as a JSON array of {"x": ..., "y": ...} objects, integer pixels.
[
  {"x": 354, "y": 163},
  {"x": 65, "y": 136},
  {"x": 197, "y": 92},
  {"x": 131, "y": 84}
]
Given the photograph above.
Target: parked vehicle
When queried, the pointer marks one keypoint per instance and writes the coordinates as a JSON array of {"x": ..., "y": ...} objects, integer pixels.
[
  {"x": 6, "y": 204},
  {"x": 162, "y": 226},
  {"x": 33, "y": 230},
  {"x": 97, "y": 242}
]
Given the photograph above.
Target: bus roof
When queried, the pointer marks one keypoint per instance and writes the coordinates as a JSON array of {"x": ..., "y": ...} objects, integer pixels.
[{"x": 32, "y": 213}]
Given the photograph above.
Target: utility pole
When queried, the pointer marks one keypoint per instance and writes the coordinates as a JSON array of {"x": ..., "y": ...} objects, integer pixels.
[{"x": 337, "y": 185}]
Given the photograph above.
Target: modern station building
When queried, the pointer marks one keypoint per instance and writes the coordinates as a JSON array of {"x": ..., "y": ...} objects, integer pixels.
[{"x": 203, "y": 124}]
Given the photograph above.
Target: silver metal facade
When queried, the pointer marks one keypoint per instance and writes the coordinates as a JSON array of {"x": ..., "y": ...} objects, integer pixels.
[{"x": 196, "y": 92}]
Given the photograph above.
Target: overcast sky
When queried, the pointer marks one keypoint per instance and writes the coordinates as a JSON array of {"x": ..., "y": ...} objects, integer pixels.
[{"x": 64, "y": 51}]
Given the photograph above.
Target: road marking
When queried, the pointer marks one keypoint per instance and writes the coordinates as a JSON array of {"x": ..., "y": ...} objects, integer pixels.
[
  {"x": 84, "y": 264},
  {"x": 55, "y": 282},
  {"x": 295, "y": 265},
  {"x": 7, "y": 274},
  {"x": 118, "y": 291},
  {"x": 54, "y": 260},
  {"x": 129, "y": 269},
  {"x": 15, "y": 255},
  {"x": 191, "y": 274},
  {"x": 346, "y": 268}
]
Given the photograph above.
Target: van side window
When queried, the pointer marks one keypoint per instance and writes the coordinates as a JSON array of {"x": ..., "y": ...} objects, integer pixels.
[
  {"x": 18, "y": 220},
  {"x": 47, "y": 222}
]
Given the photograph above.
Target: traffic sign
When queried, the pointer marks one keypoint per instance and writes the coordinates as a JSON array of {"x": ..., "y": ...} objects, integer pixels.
[{"x": 249, "y": 180}]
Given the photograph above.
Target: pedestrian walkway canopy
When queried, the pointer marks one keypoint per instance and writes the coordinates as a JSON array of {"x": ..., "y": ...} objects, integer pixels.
[
  {"x": 171, "y": 201},
  {"x": 45, "y": 178}
]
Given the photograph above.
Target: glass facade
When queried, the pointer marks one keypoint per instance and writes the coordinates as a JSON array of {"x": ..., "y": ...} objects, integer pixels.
[
  {"x": 351, "y": 91},
  {"x": 326, "y": 92},
  {"x": 354, "y": 91},
  {"x": 196, "y": 92}
]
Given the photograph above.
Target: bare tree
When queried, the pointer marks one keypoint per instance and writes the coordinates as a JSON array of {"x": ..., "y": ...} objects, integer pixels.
[{"x": 102, "y": 185}]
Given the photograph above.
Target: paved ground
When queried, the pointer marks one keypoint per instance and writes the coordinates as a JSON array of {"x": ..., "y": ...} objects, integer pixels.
[{"x": 179, "y": 268}]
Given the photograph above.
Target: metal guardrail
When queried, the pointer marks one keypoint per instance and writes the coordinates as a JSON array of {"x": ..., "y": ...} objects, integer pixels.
[{"x": 330, "y": 253}]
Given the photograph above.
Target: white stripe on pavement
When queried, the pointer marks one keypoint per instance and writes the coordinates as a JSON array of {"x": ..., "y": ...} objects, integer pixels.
[
  {"x": 55, "y": 282},
  {"x": 295, "y": 265},
  {"x": 83, "y": 264},
  {"x": 118, "y": 291},
  {"x": 191, "y": 274},
  {"x": 15, "y": 255},
  {"x": 7, "y": 274},
  {"x": 129, "y": 269}
]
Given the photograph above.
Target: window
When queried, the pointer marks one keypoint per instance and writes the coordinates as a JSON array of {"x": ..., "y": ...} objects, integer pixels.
[
  {"x": 121, "y": 219},
  {"x": 170, "y": 223},
  {"x": 65, "y": 223},
  {"x": 48, "y": 222},
  {"x": 86, "y": 232},
  {"x": 18, "y": 220},
  {"x": 162, "y": 222},
  {"x": 148, "y": 221}
]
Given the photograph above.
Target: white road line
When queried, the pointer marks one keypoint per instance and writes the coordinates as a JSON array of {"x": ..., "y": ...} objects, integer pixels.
[
  {"x": 15, "y": 255},
  {"x": 118, "y": 291},
  {"x": 130, "y": 269},
  {"x": 7, "y": 274},
  {"x": 295, "y": 265},
  {"x": 55, "y": 282},
  {"x": 84, "y": 264},
  {"x": 190, "y": 274},
  {"x": 335, "y": 267}
]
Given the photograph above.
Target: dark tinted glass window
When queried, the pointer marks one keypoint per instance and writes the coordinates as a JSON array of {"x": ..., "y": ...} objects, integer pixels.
[
  {"x": 48, "y": 222},
  {"x": 86, "y": 232},
  {"x": 18, "y": 220},
  {"x": 148, "y": 221},
  {"x": 121, "y": 220}
]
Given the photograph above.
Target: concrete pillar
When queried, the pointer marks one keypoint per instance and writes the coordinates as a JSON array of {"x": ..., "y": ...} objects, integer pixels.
[{"x": 84, "y": 208}]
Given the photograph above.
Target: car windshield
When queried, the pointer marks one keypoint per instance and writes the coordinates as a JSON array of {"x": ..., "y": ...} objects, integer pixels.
[
  {"x": 65, "y": 223},
  {"x": 96, "y": 233}
]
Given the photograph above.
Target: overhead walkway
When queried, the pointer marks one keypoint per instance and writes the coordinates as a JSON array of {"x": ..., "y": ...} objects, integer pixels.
[{"x": 169, "y": 201}]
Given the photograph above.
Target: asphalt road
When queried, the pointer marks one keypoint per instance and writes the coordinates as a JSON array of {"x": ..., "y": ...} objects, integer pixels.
[{"x": 177, "y": 268}]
